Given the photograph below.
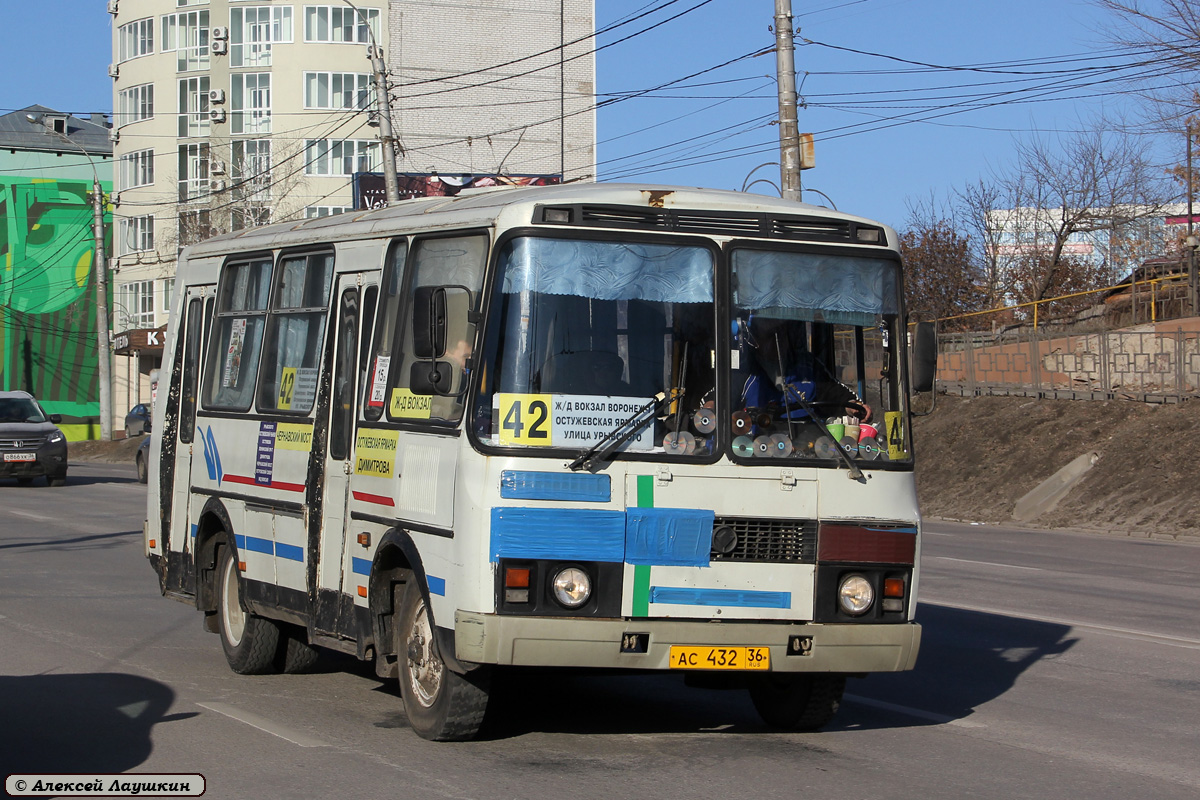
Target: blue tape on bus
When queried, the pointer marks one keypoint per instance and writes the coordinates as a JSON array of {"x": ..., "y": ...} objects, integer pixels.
[
  {"x": 436, "y": 585},
  {"x": 257, "y": 545},
  {"x": 671, "y": 537},
  {"x": 558, "y": 533},
  {"x": 360, "y": 566},
  {"x": 194, "y": 529},
  {"x": 240, "y": 541},
  {"x": 529, "y": 485},
  {"x": 742, "y": 598},
  {"x": 289, "y": 551}
]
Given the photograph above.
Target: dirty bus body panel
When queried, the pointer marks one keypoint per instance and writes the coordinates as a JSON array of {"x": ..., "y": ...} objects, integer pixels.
[{"x": 579, "y": 426}]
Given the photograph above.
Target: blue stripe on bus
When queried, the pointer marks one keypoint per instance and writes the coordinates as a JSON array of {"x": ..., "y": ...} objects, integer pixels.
[
  {"x": 360, "y": 566},
  {"x": 558, "y": 533},
  {"x": 670, "y": 537},
  {"x": 530, "y": 485},
  {"x": 436, "y": 585},
  {"x": 289, "y": 551},
  {"x": 194, "y": 529},
  {"x": 257, "y": 545},
  {"x": 743, "y": 598}
]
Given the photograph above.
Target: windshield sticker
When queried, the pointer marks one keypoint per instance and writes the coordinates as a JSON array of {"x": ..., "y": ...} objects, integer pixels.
[
  {"x": 375, "y": 453},
  {"x": 379, "y": 381},
  {"x": 233, "y": 356},
  {"x": 568, "y": 420},
  {"x": 406, "y": 405},
  {"x": 893, "y": 422}
]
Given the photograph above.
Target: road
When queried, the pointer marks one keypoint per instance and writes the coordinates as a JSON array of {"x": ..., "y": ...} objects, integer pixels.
[{"x": 1053, "y": 665}]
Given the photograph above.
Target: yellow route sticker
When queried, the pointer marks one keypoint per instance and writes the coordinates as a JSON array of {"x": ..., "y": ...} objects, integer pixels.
[
  {"x": 375, "y": 453},
  {"x": 893, "y": 425},
  {"x": 406, "y": 405},
  {"x": 293, "y": 436},
  {"x": 287, "y": 388},
  {"x": 525, "y": 419}
]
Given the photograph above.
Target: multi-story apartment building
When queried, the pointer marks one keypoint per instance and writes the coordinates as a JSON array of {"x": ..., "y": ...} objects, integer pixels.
[{"x": 235, "y": 113}]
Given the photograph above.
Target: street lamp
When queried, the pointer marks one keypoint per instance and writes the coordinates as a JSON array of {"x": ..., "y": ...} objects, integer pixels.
[{"x": 100, "y": 266}]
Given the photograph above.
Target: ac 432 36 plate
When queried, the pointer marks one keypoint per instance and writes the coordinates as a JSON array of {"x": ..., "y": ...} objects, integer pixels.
[{"x": 737, "y": 658}]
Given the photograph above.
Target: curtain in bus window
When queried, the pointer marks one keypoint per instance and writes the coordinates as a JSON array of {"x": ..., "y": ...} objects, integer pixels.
[
  {"x": 807, "y": 286},
  {"x": 609, "y": 270}
]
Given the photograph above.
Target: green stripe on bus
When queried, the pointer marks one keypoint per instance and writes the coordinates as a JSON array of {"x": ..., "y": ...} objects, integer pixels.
[
  {"x": 641, "y": 572},
  {"x": 645, "y": 491}
]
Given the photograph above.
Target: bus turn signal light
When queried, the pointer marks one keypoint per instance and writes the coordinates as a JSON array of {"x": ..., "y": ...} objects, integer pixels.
[
  {"x": 893, "y": 587},
  {"x": 516, "y": 578}
]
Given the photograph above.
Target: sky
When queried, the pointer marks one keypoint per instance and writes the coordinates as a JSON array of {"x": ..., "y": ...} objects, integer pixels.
[{"x": 713, "y": 129}]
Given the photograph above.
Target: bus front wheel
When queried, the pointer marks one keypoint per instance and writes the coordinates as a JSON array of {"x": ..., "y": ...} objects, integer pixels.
[
  {"x": 440, "y": 704},
  {"x": 797, "y": 702},
  {"x": 250, "y": 642}
]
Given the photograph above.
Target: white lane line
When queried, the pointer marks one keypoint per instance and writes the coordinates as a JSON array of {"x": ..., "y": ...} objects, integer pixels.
[
  {"x": 265, "y": 725},
  {"x": 1107, "y": 630},
  {"x": 986, "y": 563},
  {"x": 941, "y": 719},
  {"x": 16, "y": 512},
  {"x": 931, "y": 533}
]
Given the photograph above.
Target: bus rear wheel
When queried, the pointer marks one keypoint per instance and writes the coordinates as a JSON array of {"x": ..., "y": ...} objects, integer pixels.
[
  {"x": 250, "y": 642},
  {"x": 440, "y": 704},
  {"x": 797, "y": 702}
]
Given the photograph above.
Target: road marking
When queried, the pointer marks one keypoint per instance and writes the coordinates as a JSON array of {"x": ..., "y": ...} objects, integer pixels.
[
  {"x": 265, "y": 725},
  {"x": 986, "y": 563},
  {"x": 941, "y": 719},
  {"x": 1107, "y": 630},
  {"x": 26, "y": 514}
]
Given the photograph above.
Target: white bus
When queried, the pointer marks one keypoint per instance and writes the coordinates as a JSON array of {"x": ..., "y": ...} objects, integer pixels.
[{"x": 583, "y": 426}]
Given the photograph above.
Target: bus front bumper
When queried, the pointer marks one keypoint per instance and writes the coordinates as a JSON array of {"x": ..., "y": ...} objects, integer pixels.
[{"x": 576, "y": 642}]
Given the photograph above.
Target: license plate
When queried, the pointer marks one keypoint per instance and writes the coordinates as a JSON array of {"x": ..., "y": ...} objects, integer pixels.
[
  {"x": 20, "y": 457},
  {"x": 687, "y": 657}
]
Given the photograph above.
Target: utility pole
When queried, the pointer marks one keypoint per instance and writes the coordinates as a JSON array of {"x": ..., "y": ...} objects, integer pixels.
[
  {"x": 789, "y": 129},
  {"x": 100, "y": 265},
  {"x": 385, "y": 123},
  {"x": 1191, "y": 240}
]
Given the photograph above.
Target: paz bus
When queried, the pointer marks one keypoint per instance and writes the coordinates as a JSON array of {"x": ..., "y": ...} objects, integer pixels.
[{"x": 594, "y": 426}]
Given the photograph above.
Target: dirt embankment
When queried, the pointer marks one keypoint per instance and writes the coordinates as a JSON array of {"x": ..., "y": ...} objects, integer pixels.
[{"x": 977, "y": 456}]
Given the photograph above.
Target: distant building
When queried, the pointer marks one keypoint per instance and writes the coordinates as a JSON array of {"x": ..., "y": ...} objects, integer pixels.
[
  {"x": 48, "y": 161},
  {"x": 235, "y": 113}
]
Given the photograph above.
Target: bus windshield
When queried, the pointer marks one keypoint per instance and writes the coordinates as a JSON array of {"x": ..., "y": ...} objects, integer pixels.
[
  {"x": 814, "y": 359},
  {"x": 586, "y": 333}
]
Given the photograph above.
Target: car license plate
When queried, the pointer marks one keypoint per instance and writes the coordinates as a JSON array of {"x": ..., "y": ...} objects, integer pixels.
[
  {"x": 20, "y": 457},
  {"x": 688, "y": 657}
]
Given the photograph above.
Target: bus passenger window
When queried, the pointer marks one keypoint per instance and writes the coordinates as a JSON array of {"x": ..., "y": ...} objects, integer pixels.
[
  {"x": 379, "y": 368},
  {"x": 341, "y": 425},
  {"x": 234, "y": 351},
  {"x": 295, "y": 330}
]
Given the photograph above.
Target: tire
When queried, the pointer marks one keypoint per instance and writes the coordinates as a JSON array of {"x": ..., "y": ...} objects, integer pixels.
[
  {"x": 141, "y": 469},
  {"x": 440, "y": 704},
  {"x": 295, "y": 654},
  {"x": 250, "y": 642},
  {"x": 57, "y": 480},
  {"x": 797, "y": 702}
]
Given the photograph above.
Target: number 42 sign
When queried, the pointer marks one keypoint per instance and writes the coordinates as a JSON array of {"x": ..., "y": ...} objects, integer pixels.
[{"x": 525, "y": 419}]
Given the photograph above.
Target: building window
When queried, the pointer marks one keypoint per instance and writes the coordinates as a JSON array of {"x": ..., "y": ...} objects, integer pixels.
[
  {"x": 250, "y": 216},
  {"x": 186, "y": 34},
  {"x": 193, "y": 107},
  {"x": 339, "y": 24},
  {"x": 135, "y": 104},
  {"x": 193, "y": 172},
  {"x": 342, "y": 157},
  {"x": 252, "y": 31},
  {"x": 195, "y": 226},
  {"x": 135, "y": 302},
  {"x": 186, "y": 3},
  {"x": 313, "y": 212},
  {"x": 337, "y": 91},
  {"x": 135, "y": 39},
  {"x": 136, "y": 235},
  {"x": 136, "y": 169},
  {"x": 250, "y": 102},
  {"x": 165, "y": 293},
  {"x": 250, "y": 169}
]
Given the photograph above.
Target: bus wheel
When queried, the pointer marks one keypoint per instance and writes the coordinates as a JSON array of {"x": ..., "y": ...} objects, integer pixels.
[
  {"x": 797, "y": 702},
  {"x": 295, "y": 653},
  {"x": 440, "y": 704},
  {"x": 250, "y": 642}
]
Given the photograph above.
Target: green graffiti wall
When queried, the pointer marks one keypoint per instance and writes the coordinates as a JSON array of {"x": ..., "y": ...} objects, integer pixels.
[{"x": 47, "y": 297}]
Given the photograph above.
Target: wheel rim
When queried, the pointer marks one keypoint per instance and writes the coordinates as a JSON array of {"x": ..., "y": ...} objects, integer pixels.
[
  {"x": 424, "y": 666},
  {"x": 233, "y": 619}
]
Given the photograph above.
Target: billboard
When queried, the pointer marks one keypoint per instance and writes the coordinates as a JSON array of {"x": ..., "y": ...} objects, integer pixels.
[{"x": 370, "y": 192}]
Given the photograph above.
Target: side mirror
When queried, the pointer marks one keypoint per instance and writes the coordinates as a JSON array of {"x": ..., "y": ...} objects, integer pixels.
[
  {"x": 431, "y": 377},
  {"x": 429, "y": 322},
  {"x": 56, "y": 419},
  {"x": 924, "y": 357}
]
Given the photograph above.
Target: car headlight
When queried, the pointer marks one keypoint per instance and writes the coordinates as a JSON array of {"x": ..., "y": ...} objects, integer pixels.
[
  {"x": 855, "y": 595},
  {"x": 55, "y": 438},
  {"x": 572, "y": 587}
]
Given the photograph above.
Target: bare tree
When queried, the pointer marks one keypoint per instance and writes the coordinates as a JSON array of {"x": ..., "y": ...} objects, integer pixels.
[
  {"x": 978, "y": 204},
  {"x": 940, "y": 278}
]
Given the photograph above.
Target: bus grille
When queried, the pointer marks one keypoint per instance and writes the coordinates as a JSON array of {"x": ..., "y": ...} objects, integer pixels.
[{"x": 776, "y": 541}]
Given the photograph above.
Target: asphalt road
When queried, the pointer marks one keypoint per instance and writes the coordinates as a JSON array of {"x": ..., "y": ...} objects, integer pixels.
[{"x": 1053, "y": 665}]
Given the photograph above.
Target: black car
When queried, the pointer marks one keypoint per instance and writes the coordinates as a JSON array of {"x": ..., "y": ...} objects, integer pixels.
[
  {"x": 142, "y": 459},
  {"x": 30, "y": 442},
  {"x": 137, "y": 421}
]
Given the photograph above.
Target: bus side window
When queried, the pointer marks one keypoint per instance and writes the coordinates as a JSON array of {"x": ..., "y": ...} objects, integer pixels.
[
  {"x": 191, "y": 369},
  {"x": 379, "y": 368},
  {"x": 341, "y": 426},
  {"x": 295, "y": 331},
  {"x": 370, "y": 297},
  {"x": 234, "y": 349}
]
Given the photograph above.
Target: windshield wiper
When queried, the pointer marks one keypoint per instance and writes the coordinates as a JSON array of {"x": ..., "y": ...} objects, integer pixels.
[{"x": 597, "y": 454}]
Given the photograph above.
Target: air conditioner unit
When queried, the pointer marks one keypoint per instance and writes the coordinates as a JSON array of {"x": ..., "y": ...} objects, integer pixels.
[
  {"x": 216, "y": 96},
  {"x": 216, "y": 167},
  {"x": 216, "y": 115},
  {"x": 114, "y": 136},
  {"x": 220, "y": 32},
  {"x": 113, "y": 70},
  {"x": 115, "y": 199},
  {"x": 216, "y": 185},
  {"x": 220, "y": 47},
  {"x": 112, "y": 6}
]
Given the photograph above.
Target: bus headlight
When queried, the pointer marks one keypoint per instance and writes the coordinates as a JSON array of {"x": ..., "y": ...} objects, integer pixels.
[
  {"x": 855, "y": 595},
  {"x": 572, "y": 587}
]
